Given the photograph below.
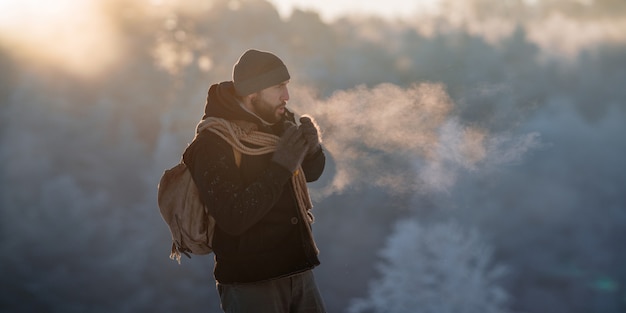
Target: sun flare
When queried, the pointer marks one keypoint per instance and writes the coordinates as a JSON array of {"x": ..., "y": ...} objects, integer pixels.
[{"x": 71, "y": 34}]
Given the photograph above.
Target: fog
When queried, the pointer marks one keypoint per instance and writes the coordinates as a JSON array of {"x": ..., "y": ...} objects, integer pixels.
[{"x": 475, "y": 154}]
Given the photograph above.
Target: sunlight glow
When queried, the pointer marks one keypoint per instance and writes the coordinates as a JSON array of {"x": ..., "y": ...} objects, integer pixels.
[{"x": 70, "y": 34}]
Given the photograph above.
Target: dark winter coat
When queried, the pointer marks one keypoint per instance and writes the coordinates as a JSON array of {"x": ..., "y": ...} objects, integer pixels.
[{"x": 260, "y": 232}]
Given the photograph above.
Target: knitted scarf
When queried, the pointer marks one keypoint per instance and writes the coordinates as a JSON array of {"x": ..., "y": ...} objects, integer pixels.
[{"x": 238, "y": 132}]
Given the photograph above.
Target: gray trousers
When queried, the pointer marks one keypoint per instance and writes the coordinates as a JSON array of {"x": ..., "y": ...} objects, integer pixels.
[{"x": 292, "y": 294}]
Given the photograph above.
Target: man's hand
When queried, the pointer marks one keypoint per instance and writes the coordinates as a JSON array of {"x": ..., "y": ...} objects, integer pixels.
[
  {"x": 291, "y": 149},
  {"x": 311, "y": 133}
]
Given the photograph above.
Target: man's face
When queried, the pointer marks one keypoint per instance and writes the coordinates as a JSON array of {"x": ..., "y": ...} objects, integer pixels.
[{"x": 270, "y": 103}]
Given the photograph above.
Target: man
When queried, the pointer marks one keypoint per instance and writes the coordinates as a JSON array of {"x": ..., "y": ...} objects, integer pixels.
[{"x": 264, "y": 250}]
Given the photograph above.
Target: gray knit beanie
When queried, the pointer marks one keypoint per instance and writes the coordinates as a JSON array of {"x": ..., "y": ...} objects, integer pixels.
[{"x": 256, "y": 70}]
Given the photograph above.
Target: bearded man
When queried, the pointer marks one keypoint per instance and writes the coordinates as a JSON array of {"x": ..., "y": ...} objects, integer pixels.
[{"x": 263, "y": 245}]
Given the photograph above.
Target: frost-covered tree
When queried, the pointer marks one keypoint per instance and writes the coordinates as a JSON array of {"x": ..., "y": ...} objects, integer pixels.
[{"x": 435, "y": 269}]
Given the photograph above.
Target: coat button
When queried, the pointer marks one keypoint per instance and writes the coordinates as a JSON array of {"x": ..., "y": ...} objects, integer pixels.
[{"x": 294, "y": 220}]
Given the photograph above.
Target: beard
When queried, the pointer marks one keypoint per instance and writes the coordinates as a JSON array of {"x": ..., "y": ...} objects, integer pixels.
[{"x": 267, "y": 111}]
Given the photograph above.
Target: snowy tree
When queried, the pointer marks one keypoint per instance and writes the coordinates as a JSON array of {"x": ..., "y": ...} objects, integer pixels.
[{"x": 435, "y": 269}]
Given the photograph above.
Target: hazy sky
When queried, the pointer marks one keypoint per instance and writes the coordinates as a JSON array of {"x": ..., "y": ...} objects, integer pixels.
[
  {"x": 331, "y": 9},
  {"x": 28, "y": 24},
  {"x": 328, "y": 9}
]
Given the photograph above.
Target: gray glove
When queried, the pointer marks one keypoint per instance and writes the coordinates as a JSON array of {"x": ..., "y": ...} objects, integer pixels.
[
  {"x": 310, "y": 131},
  {"x": 291, "y": 149}
]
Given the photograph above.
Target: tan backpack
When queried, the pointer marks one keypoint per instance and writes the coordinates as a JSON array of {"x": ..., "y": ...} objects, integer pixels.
[{"x": 186, "y": 216}]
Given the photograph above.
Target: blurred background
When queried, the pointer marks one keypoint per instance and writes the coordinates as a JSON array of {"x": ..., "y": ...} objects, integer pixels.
[{"x": 476, "y": 149}]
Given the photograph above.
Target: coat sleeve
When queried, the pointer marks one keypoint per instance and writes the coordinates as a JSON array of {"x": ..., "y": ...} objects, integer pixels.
[
  {"x": 313, "y": 165},
  {"x": 235, "y": 206}
]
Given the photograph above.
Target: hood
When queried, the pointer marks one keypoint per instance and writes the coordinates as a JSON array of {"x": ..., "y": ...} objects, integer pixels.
[{"x": 222, "y": 102}]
